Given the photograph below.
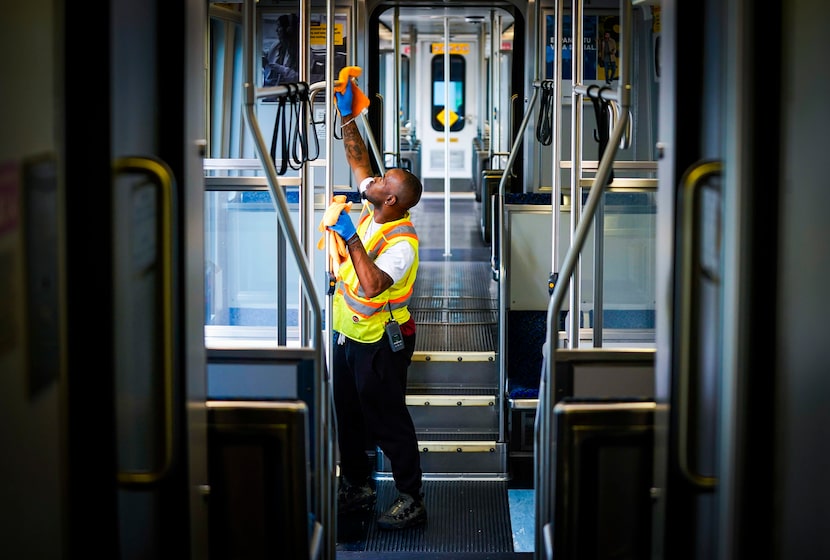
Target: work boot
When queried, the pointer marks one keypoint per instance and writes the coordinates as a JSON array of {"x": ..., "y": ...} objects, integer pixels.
[
  {"x": 405, "y": 511},
  {"x": 353, "y": 498}
]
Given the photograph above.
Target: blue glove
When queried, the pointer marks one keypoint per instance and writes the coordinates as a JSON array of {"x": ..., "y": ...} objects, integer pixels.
[
  {"x": 345, "y": 99},
  {"x": 344, "y": 226}
]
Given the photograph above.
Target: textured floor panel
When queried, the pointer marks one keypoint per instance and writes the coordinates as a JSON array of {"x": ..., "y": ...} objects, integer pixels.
[
  {"x": 349, "y": 555},
  {"x": 466, "y": 317},
  {"x": 424, "y": 303},
  {"x": 456, "y": 338},
  {"x": 462, "y": 516},
  {"x": 455, "y": 308},
  {"x": 456, "y": 280}
]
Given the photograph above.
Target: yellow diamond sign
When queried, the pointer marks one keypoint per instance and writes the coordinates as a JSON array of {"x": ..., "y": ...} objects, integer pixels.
[{"x": 453, "y": 117}]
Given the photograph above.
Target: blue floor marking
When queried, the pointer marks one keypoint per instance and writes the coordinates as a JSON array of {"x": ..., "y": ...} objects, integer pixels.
[{"x": 522, "y": 518}]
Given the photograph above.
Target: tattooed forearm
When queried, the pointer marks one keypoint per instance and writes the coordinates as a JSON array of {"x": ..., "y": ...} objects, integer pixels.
[
  {"x": 353, "y": 142},
  {"x": 356, "y": 152}
]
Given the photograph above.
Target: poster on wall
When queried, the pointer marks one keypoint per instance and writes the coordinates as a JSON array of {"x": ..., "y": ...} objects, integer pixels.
[
  {"x": 593, "y": 42},
  {"x": 280, "y": 47},
  {"x": 318, "y": 45},
  {"x": 608, "y": 53}
]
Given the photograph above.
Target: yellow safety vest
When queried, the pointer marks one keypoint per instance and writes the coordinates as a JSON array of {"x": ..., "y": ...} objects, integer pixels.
[{"x": 362, "y": 318}]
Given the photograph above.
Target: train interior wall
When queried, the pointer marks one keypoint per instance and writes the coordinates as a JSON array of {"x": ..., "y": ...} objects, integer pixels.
[{"x": 36, "y": 473}]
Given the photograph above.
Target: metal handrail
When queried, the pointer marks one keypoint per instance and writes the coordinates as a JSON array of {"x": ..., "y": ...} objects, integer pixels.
[{"x": 692, "y": 182}]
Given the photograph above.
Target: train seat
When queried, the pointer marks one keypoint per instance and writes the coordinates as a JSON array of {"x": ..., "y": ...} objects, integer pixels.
[
  {"x": 582, "y": 373},
  {"x": 603, "y": 462},
  {"x": 259, "y": 465}
]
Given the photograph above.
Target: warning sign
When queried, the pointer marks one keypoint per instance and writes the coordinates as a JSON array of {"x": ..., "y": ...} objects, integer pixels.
[
  {"x": 455, "y": 48},
  {"x": 318, "y": 34}
]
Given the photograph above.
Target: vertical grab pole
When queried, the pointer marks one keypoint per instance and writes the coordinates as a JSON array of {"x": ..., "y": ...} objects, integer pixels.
[
  {"x": 576, "y": 166},
  {"x": 396, "y": 97},
  {"x": 327, "y": 475},
  {"x": 556, "y": 144},
  {"x": 447, "y": 179},
  {"x": 373, "y": 143}
]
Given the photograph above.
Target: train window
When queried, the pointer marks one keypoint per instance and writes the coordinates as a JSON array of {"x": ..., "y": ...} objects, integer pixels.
[
  {"x": 455, "y": 104},
  {"x": 404, "y": 115}
]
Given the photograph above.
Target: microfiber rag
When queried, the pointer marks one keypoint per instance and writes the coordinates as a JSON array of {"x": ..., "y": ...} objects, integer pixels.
[
  {"x": 359, "y": 100},
  {"x": 338, "y": 253}
]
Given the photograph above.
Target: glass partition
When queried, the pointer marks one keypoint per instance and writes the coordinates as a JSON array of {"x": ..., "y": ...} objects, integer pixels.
[{"x": 252, "y": 280}]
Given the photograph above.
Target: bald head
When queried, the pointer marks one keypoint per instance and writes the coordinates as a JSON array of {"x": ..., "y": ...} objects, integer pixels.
[
  {"x": 408, "y": 186},
  {"x": 393, "y": 194}
]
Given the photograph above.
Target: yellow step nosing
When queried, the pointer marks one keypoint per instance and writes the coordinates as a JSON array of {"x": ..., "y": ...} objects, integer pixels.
[
  {"x": 451, "y": 400},
  {"x": 457, "y": 446}
]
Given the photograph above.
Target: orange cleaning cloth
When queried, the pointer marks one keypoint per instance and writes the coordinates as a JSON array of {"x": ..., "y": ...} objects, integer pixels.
[
  {"x": 338, "y": 252},
  {"x": 359, "y": 100}
]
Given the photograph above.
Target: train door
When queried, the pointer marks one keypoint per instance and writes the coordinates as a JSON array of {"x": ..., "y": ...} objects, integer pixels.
[
  {"x": 740, "y": 437},
  {"x": 107, "y": 453},
  {"x": 688, "y": 514},
  {"x": 458, "y": 112},
  {"x": 157, "y": 123}
]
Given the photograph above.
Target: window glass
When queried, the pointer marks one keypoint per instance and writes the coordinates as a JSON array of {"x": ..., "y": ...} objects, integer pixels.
[{"x": 454, "y": 113}]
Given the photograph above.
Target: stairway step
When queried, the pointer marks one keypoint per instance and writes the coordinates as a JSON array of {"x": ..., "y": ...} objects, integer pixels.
[
  {"x": 456, "y": 336},
  {"x": 460, "y": 390},
  {"x": 454, "y": 356},
  {"x": 453, "y": 390},
  {"x": 457, "y": 446},
  {"x": 477, "y": 415},
  {"x": 456, "y": 458},
  {"x": 455, "y": 401},
  {"x": 453, "y": 369}
]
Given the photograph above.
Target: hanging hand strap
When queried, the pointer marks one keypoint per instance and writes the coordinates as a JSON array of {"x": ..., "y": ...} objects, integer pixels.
[
  {"x": 601, "y": 110},
  {"x": 544, "y": 125},
  {"x": 291, "y": 129},
  {"x": 279, "y": 129}
]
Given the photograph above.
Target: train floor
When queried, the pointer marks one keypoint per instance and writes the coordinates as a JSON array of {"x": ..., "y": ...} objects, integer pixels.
[
  {"x": 467, "y": 519},
  {"x": 464, "y": 242}
]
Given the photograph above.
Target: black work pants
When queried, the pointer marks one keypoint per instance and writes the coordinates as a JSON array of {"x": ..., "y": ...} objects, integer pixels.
[{"x": 370, "y": 401}]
